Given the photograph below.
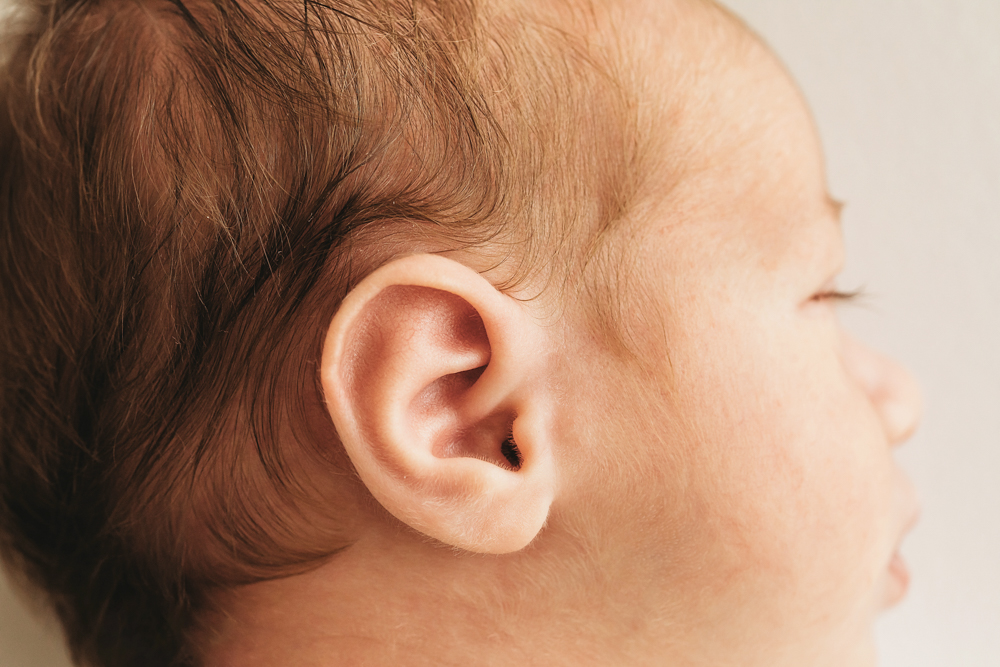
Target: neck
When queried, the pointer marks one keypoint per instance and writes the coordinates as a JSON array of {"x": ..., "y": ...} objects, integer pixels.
[{"x": 396, "y": 599}]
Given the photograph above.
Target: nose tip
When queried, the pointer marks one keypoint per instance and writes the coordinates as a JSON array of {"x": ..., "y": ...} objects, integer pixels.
[
  {"x": 892, "y": 389},
  {"x": 900, "y": 403}
]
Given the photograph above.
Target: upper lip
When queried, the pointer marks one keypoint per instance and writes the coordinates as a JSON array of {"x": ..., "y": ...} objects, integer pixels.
[
  {"x": 914, "y": 518},
  {"x": 912, "y": 515},
  {"x": 911, "y": 508},
  {"x": 910, "y": 523}
]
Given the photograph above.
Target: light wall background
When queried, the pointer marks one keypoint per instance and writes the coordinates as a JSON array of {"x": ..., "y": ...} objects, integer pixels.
[
  {"x": 907, "y": 98},
  {"x": 906, "y": 94}
]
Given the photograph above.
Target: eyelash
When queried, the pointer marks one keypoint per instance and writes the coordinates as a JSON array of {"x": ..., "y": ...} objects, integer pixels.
[{"x": 839, "y": 297}]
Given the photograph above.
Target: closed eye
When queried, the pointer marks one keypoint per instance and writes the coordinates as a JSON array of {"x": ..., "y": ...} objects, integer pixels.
[{"x": 837, "y": 296}]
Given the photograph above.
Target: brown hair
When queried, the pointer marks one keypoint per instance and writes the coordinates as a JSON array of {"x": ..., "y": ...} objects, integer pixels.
[{"x": 187, "y": 192}]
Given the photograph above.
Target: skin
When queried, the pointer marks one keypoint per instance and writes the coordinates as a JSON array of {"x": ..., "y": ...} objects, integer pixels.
[
  {"x": 722, "y": 494},
  {"x": 780, "y": 424}
]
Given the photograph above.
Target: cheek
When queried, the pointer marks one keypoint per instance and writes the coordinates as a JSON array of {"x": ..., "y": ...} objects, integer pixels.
[
  {"x": 741, "y": 476},
  {"x": 787, "y": 463}
]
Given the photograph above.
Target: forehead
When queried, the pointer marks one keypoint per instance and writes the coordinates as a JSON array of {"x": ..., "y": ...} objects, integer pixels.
[{"x": 729, "y": 153}]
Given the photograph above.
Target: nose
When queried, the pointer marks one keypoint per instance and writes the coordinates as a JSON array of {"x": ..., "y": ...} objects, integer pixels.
[{"x": 890, "y": 387}]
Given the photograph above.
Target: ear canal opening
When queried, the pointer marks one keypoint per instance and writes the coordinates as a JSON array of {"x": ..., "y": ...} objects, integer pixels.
[{"x": 510, "y": 452}]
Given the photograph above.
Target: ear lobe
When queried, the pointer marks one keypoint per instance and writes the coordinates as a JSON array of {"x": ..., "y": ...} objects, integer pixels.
[{"x": 433, "y": 379}]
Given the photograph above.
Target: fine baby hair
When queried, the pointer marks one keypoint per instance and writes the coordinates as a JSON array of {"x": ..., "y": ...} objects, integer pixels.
[
  {"x": 187, "y": 189},
  {"x": 416, "y": 332}
]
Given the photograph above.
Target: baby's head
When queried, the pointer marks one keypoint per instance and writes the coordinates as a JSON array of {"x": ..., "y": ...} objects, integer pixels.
[{"x": 473, "y": 333}]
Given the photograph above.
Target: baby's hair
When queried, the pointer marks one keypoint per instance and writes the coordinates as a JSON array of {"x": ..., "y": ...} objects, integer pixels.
[{"x": 187, "y": 192}]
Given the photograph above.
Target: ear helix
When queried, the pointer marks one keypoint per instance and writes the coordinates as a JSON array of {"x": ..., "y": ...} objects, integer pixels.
[{"x": 425, "y": 370}]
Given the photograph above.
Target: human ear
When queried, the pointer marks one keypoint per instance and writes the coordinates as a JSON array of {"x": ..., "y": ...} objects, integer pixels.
[{"x": 436, "y": 384}]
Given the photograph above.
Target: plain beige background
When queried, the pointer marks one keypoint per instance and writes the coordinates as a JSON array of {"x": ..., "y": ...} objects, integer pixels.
[{"x": 907, "y": 98}]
